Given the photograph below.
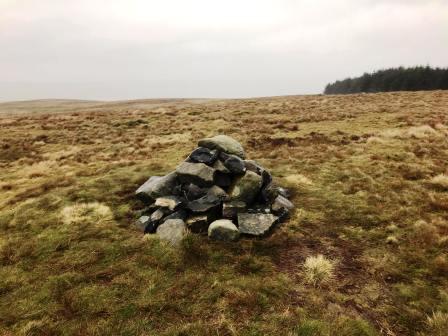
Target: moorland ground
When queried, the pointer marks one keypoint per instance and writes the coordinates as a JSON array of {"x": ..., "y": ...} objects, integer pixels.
[{"x": 369, "y": 180}]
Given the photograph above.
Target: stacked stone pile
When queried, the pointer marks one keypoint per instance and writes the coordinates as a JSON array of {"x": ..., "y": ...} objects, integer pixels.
[{"x": 216, "y": 191}]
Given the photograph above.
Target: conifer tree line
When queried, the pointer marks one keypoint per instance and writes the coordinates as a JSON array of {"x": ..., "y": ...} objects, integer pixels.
[{"x": 395, "y": 79}]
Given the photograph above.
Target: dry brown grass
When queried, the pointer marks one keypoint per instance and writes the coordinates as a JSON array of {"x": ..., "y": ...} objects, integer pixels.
[{"x": 367, "y": 174}]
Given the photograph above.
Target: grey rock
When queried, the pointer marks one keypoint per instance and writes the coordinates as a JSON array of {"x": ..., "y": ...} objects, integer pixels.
[
  {"x": 154, "y": 220},
  {"x": 223, "y": 143},
  {"x": 253, "y": 166},
  {"x": 196, "y": 173},
  {"x": 217, "y": 193},
  {"x": 170, "y": 202},
  {"x": 157, "y": 186},
  {"x": 210, "y": 202},
  {"x": 172, "y": 231},
  {"x": 198, "y": 223},
  {"x": 219, "y": 167},
  {"x": 269, "y": 193},
  {"x": 151, "y": 227},
  {"x": 246, "y": 188},
  {"x": 147, "y": 211},
  {"x": 281, "y": 206},
  {"x": 142, "y": 222},
  {"x": 203, "y": 155},
  {"x": 235, "y": 164},
  {"x": 192, "y": 191},
  {"x": 255, "y": 223},
  {"x": 157, "y": 215},
  {"x": 231, "y": 209},
  {"x": 223, "y": 180},
  {"x": 224, "y": 230},
  {"x": 204, "y": 204},
  {"x": 284, "y": 192},
  {"x": 180, "y": 214}
]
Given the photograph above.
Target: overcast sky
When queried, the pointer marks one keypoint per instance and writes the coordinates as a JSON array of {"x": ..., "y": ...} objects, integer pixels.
[{"x": 126, "y": 49}]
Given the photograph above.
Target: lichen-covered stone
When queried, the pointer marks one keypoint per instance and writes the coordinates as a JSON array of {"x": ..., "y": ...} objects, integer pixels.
[
  {"x": 224, "y": 230},
  {"x": 256, "y": 224},
  {"x": 223, "y": 143},
  {"x": 246, "y": 188},
  {"x": 172, "y": 231}
]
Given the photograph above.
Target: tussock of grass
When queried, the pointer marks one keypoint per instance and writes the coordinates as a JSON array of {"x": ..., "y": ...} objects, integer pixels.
[
  {"x": 438, "y": 324},
  {"x": 440, "y": 181},
  {"x": 318, "y": 270},
  {"x": 96, "y": 213}
]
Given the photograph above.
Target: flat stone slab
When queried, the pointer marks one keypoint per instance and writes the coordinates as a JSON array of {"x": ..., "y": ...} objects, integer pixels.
[
  {"x": 203, "y": 204},
  {"x": 223, "y": 143},
  {"x": 196, "y": 173},
  {"x": 223, "y": 229},
  {"x": 203, "y": 155},
  {"x": 255, "y": 224},
  {"x": 170, "y": 202},
  {"x": 157, "y": 186},
  {"x": 172, "y": 231}
]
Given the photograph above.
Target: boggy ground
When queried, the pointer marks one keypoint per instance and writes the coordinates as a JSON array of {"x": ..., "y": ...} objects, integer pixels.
[{"x": 361, "y": 169}]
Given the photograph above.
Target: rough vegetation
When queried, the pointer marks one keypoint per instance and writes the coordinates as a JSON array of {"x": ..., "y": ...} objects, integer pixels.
[{"x": 367, "y": 175}]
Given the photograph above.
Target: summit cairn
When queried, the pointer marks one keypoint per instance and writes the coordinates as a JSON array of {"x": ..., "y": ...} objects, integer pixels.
[{"x": 215, "y": 191}]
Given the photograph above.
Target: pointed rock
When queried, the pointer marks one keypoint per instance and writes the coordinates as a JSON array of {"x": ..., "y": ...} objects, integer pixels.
[
  {"x": 156, "y": 186},
  {"x": 281, "y": 206}
]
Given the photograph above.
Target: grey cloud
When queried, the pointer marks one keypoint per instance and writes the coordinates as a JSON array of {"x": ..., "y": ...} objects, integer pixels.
[{"x": 101, "y": 50}]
